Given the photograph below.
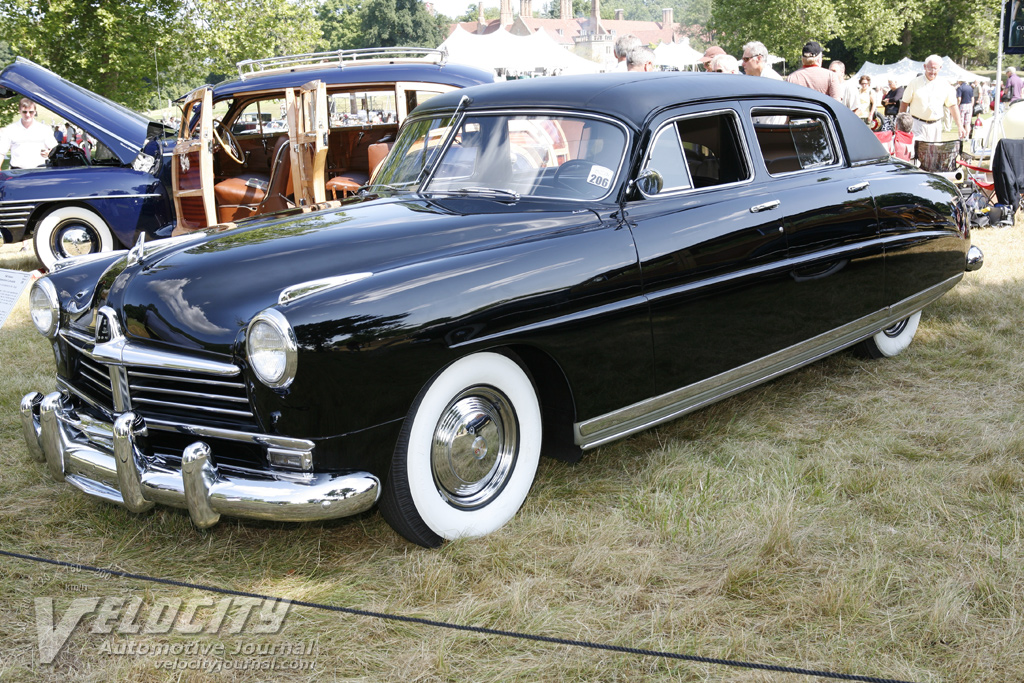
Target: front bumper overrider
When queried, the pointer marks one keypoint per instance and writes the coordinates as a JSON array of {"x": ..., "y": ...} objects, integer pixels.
[{"x": 106, "y": 461}]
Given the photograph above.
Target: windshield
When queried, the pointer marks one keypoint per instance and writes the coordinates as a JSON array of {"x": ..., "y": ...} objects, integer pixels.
[{"x": 536, "y": 155}]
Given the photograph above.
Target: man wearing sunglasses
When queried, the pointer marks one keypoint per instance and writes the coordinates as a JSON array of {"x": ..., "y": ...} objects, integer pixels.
[{"x": 28, "y": 140}]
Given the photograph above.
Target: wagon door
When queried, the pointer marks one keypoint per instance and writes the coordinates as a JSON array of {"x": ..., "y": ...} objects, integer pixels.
[
  {"x": 307, "y": 131},
  {"x": 192, "y": 167}
]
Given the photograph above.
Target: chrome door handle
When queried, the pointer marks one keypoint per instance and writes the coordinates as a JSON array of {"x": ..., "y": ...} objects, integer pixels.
[
  {"x": 767, "y": 206},
  {"x": 858, "y": 187}
]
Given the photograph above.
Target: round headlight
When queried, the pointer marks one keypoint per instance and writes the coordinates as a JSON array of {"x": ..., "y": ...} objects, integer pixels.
[
  {"x": 44, "y": 307},
  {"x": 271, "y": 348}
]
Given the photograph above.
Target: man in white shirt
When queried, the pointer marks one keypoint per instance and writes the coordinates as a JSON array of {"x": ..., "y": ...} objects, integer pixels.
[
  {"x": 755, "y": 61},
  {"x": 28, "y": 140}
]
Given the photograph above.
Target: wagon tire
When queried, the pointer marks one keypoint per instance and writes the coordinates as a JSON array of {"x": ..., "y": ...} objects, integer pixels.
[
  {"x": 892, "y": 340},
  {"x": 467, "y": 453},
  {"x": 70, "y": 231}
]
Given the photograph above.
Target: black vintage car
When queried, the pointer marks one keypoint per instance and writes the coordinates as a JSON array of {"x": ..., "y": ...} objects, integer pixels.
[{"x": 538, "y": 267}]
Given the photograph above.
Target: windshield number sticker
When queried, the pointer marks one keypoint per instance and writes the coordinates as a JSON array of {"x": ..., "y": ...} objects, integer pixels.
[{"x": 600, "y": 176}]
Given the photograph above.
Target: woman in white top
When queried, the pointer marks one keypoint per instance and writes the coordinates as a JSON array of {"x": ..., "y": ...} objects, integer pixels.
[{"x": 867, "y": 100}]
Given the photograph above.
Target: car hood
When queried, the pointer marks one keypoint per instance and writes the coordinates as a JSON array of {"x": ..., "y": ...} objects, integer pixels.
[
  {"x": 202, "y": 293},
  {"x": 116, "y": 126}
]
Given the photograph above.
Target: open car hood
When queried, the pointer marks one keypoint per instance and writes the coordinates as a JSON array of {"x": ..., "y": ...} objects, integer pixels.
[{"x": 119, "y": 128}]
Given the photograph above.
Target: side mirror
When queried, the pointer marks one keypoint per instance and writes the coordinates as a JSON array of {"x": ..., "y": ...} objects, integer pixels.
[{"x": 650, "y": 182}]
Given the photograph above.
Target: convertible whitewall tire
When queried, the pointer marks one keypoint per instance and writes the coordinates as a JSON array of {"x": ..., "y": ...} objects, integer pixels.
[
  {"x": 893, "y": 340},
  {"x": 71, "y": 231},
  {"x": 468, "y": 452}
]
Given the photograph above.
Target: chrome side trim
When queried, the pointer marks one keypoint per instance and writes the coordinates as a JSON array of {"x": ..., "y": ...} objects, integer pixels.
[
  {"x": 793, "y": 263},
  {"x": 645, "y": 414},
  {"x": 81, "y": 198}
]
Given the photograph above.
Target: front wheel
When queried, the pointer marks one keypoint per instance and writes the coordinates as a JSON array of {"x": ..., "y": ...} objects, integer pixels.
[
  {"x": 892, "y": 340},
  {"x": 467, "y": 454},
  {"x": 70, "y": 231}
]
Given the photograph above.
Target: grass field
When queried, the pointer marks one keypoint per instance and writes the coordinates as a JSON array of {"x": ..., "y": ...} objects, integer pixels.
[{"x": 857, "y": 516}]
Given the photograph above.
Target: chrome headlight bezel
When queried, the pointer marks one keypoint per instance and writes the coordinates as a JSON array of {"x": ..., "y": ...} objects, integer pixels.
[
  {"x": 45, "y": 289},
  {"x": 280, "y": 373}
]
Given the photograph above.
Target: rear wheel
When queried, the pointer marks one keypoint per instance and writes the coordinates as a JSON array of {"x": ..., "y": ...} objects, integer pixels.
[
  {"x": 892, "y": 340},
  {"x": 467, "y": 454},
  {"x": 70, "y": 231}
]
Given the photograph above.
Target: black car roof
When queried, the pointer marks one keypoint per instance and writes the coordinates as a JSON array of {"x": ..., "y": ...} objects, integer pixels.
[
  {"x": 456, "y": 75},
  {"x": 633, "y": 97}
]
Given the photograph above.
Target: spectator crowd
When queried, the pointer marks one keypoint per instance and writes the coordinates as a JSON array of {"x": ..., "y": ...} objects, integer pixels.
[{"x": 925, "y": 103}]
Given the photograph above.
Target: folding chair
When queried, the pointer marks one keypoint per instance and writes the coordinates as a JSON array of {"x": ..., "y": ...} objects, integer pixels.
[{"x": 982, "y": 199}]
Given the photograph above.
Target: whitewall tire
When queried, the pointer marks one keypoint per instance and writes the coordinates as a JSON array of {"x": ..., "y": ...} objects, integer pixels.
[
  {"x": 71, "y": 231},
  {"x": 467, "y": 454},
  {"x": 894, "y": 339}
]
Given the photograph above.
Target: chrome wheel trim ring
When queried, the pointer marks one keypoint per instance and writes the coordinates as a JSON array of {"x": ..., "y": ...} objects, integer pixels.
[
  {"x": 474, "y": 447},
  {"x": 897, "y": 329}
]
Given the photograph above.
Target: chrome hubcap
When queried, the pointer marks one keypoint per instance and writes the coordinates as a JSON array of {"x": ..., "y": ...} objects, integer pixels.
[
  {"x": 474, "y": 449},
  {"x": 75, "y": 240}
]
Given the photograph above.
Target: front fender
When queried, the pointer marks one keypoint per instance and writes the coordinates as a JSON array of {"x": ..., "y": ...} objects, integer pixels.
[{"x": 366, "y": 349}]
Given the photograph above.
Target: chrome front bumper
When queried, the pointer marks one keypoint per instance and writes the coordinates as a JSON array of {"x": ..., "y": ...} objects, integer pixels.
[{"x": 77, "y": 453}]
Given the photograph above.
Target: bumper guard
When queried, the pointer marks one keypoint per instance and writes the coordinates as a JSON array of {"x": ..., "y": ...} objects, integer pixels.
[{"x": 123, "y": 474}]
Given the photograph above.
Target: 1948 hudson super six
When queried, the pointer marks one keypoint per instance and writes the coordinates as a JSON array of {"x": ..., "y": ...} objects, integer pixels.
[{"x": 539, "y": 266}]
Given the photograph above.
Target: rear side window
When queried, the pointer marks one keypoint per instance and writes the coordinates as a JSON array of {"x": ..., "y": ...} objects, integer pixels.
[
  {"x": 794, "y": 141},
  {"x": 699, "y": 151}
]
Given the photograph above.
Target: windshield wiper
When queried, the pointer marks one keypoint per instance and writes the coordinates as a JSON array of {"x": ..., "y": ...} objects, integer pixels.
[{"x": 488, "y": 192}]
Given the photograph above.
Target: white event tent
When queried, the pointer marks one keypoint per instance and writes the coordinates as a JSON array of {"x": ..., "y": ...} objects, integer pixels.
[
  {"x": 502, "y": 50},
  {"x": 680, "y": 55},
  {"x": 906, "y": 69}
]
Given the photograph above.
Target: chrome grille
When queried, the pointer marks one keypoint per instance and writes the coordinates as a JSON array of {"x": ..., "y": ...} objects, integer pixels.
[
  {"x": 170, "y": 395},
  {"x": 94, "y": 381},
  {"x": 180, "y": 396}
]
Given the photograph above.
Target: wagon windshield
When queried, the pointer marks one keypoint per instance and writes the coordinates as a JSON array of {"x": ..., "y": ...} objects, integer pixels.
[{"x": 538, "y": 155}]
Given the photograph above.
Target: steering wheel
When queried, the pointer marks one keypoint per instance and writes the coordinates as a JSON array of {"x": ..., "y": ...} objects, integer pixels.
[
  {"x": 227, "y": 141},
  {"x": 572, "y": 175}
]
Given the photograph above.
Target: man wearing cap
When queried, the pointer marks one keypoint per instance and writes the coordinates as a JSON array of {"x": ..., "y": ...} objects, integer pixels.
[
  {"x": 755, "y": 61},
  {"x": 812, "y": 75},
  {"x": 926, "y": 99},
  {"x": 710, "y": 54}
]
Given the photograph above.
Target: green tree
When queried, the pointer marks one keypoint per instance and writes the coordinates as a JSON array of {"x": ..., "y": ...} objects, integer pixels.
[
  {"x": 341, "y": 23},
  {"x": 104, "y": 46},
  {"x": 782, "y": 25},
  {"x": 388, "y": 23},
  {"x": 472, "y": 13},
  {"x": 224, "y": 32}
]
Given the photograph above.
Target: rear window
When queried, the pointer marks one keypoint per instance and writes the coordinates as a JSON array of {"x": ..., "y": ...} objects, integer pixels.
[{"x": 792, "y": 141}]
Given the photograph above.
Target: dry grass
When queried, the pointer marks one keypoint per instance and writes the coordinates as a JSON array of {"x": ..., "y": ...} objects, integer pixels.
[{"x": 856, "y": 516}]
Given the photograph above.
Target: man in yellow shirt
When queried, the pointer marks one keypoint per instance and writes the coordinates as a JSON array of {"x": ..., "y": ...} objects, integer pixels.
[{"x": 927, "y": 98}]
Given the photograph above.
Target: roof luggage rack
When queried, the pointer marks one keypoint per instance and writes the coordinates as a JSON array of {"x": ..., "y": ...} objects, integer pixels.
[{"x": 342, "y": 58}]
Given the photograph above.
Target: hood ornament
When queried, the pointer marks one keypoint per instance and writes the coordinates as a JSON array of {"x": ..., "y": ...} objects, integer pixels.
[{"x": 138, "y": 251}]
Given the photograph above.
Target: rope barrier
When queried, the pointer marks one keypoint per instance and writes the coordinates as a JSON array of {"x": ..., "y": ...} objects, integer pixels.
[{"x": 460, "y": 627}]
